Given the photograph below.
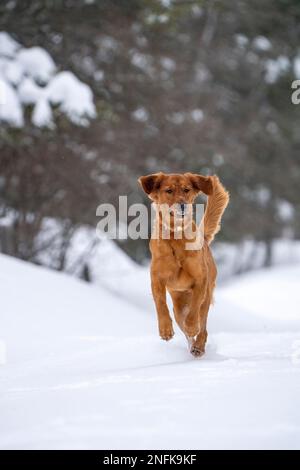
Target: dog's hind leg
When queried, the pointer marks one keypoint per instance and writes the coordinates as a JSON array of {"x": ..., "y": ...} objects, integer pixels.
[
  {"x": 198, "y": 346},
  {"x": 181, "y": 307}
]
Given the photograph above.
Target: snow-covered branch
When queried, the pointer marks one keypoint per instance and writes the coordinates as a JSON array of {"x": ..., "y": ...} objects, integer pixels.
[{"x": 29, "y": 76}]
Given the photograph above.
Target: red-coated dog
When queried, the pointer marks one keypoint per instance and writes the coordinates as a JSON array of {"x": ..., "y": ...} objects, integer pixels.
[{"x": 189, "y": 275}]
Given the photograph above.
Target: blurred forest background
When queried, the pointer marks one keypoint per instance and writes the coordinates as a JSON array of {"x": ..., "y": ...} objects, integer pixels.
[{"x": 177, "y": 85}]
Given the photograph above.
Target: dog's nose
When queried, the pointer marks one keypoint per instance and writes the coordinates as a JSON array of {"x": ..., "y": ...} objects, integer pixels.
[{"x": 182, "y": 207}]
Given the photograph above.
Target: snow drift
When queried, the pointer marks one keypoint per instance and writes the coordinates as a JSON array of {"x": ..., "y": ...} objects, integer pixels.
[{"x": 85, "y": 367}]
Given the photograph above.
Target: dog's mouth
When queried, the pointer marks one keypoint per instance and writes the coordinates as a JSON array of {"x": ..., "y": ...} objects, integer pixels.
[
  {"x": 177, "y": 215},
  {"x": 180, "y": 211}
]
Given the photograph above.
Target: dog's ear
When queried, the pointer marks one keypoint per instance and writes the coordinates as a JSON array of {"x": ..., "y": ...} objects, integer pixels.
[
  {"x": 201, "y": 183},
  {"x": 150, "y": 183}
]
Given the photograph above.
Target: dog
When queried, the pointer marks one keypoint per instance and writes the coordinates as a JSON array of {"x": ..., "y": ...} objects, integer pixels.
[{"x": 189, "y": 275}]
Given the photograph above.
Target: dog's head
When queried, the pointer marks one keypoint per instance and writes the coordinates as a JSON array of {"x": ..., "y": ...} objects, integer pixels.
[{"x": 176, "y": 191}]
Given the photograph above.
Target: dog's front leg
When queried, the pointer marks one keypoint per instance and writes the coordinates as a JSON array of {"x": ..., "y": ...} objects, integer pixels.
[{"x": 165, "y": 326}]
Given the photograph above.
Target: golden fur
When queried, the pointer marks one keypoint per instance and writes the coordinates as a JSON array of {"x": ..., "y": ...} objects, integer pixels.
[{"x": 189, "y": 275}]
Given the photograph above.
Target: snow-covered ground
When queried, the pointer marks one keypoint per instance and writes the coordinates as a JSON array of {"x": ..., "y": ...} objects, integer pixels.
[{"x": 85, "y": 368}]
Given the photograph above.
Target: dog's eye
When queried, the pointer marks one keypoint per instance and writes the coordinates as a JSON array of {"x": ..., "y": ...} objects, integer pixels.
[
  {"x": 169, "y": 191},
  {"x": 186, "y": 190}
]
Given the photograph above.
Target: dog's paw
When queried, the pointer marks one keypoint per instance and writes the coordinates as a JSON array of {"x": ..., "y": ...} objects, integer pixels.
[
  {"x": 166, "y": 332},
  {"x": 196, "y": 351}
]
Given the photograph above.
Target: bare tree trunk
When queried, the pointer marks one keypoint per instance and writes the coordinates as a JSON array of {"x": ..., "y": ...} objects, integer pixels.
[{"x": 268, "y": 261}]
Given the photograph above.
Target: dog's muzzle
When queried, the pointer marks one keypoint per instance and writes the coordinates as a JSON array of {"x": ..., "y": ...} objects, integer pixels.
[{"x": 181, "y": 211}]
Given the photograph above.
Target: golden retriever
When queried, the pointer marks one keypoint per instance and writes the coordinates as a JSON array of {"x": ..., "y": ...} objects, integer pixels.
[{"x": 189, "y": 275}]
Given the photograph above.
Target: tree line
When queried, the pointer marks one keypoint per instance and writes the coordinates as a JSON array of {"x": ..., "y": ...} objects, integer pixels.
[{"x": 201, "y": 86}]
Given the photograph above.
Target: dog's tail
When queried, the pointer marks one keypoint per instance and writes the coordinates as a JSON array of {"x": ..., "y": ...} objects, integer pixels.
[{"x": 216, "y": 205}]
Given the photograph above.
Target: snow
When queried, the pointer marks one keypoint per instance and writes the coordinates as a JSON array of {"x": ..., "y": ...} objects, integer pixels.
[
  {"x": 10, "y": 107},
  {"x": 154, "y": 18},
  {"x": 297, "y": 67},
  {"x": 278, "y": 285},
  {"x": 250, "y": 254},
  {"x": 85, "y": 367},
  {"x": 74, "y": 97},
  {"x": 140, "y": 114},
  {"x": 42, "y": 114},
  {"x": 30, "y": 92},
  {"x": 99, "y": 75},
  {"x": 168, "y": 64},
  {"x": 102, "y": 256},
  {"x": 285, "y": 210},
  {"x": 8, "y": 46},
  {"x": 12, "y": 71},
  {"x": 28, "y": 77},
  {"x": 241, "y": 40},
  {"x": 36, "y": 63},
  {"x": 262, "y": 43},
  {"x": 275, "y": 68},
  {"x": 166, "y": 3},
  {"x": 197, "y": 115},
  {"x": 143, "y": 62}
]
